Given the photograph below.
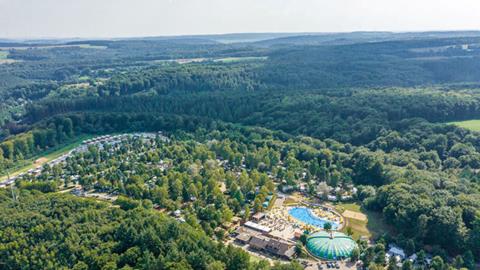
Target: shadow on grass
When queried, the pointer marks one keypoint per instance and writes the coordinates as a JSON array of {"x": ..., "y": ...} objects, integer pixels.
[{"x": 376, "y": 224}]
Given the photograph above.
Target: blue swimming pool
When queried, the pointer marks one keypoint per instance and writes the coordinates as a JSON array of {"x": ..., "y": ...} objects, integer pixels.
[{"x": 306, "y": 216}]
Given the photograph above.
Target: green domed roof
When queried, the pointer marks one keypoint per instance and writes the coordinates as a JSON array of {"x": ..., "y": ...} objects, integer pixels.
[{"x": 330, "y": 246}]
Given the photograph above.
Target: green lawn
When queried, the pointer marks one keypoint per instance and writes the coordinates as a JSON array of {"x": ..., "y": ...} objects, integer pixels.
[
  {"x": 49, "y": 155},
  {"x": 239, "y": 59},
  {"x": 373, "y": 227},
  {"x": 359, "y": 227},
  {"x": 468, "y": 124},
  {"x": 355, "y": 207},
  {"x": 3, "y": 54}
]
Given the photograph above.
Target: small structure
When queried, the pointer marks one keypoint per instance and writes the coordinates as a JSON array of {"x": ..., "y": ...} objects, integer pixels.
[
  {"x": 236, "y": 220},
  {"x": 177, "y": 213},
  {"x": 78, "y": 192},
  {"x": 242, "y": 229},
  {"x": 257, "y": 227},
  {"x": 227, "y": 225},
  {"x": 286, "y": 188},
  {"x": 413, "y": 258},
  {"x": 297, "y": 234},
  {"x": 258, "y": 216},
  {"x": 396, "y": 251},
  {"x": 243, "y": 238},
  {"x": 332, "y": 198}
]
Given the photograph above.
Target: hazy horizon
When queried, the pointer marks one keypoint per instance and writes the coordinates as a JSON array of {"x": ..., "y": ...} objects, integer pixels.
[{"x": 31, "y": 19}]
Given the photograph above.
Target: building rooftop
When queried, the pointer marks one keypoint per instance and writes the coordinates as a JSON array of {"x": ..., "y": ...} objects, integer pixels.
[
  {"x": 280, "y": 248},
  {"x": 258, "y": 242},
  {"x": 244, "y": 237},
  {"x": 331, "y": 246},
  {"x": 257, "y": 227}
]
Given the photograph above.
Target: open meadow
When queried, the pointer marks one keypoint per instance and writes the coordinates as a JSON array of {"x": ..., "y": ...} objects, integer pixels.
[{"x": 473, "y": 125}]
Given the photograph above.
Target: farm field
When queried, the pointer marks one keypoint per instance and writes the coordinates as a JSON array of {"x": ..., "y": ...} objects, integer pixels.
[{"x": 473, "y": 125}]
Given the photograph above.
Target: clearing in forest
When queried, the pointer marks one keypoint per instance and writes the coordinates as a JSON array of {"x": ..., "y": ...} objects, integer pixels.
[
  {"x": 362, "y": 222},
  {"x": 473, "y": 125}
]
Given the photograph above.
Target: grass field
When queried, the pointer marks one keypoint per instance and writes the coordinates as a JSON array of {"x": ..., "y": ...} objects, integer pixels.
[
  {"x": 47, "y": 156},
  {"x": 373, "y": 227},
  {"x": 468, "y": 124},
  {"x": 89, "y": 46},
  {"x": 239, "y": 59}
]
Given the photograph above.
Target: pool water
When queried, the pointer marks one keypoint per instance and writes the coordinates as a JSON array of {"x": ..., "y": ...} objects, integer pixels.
[{"x": 306, "y": 216}]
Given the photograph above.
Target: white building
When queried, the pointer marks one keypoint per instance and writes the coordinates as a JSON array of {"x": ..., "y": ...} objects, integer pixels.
[{"x": 396, "y": 251}]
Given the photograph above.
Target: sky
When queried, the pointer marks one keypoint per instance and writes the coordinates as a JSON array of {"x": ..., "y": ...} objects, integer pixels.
[{"x": 134, "y": 18}]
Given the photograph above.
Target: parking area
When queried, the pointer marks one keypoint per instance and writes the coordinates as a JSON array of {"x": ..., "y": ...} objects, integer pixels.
[{"x": 324, "y": 265}]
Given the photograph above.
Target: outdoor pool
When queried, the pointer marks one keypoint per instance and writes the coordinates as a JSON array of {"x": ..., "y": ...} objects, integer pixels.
[{"x": 306, "y": 216}]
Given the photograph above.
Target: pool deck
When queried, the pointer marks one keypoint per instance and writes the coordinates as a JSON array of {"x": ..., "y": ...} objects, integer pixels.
[
  {"x": 307, "y": 216},
  {"x": 330, "y": 208}
]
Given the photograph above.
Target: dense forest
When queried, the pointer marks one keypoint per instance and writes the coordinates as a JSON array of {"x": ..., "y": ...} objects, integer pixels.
[
  {"x": 63, "y": 232},
  {"x": 369, "y": 110}
]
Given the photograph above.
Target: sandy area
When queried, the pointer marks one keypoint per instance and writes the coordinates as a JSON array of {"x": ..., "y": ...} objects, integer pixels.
[
  {"x": 354, "y": 215},
  {"x": 40, "y": 161}
]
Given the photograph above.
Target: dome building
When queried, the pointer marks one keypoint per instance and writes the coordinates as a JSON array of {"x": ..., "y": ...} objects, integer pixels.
[{"x": 330, "y": 246}]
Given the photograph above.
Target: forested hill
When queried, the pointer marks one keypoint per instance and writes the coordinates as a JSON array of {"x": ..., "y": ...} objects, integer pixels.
[
  {"x": 357, "y": 117},
  {"x": 63, "y": 232}
]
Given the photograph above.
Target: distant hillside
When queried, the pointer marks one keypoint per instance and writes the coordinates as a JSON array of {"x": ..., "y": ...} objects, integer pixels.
[{"x": 359, "y": 37}]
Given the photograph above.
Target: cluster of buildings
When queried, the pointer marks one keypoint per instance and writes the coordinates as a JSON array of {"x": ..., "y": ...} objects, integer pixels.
[
  {"x": 329, "y": 193},
  {"x": 323, "y": 191},
  {"x": 110, "y": 139},
  {"x": 80, "y": 192},
  {"x": 35, "y": 171},
  {"x": 257, "y": 237},
  {"x": 398, "y": 254},
  {"x": 115, "y": 139},
  {"x": 100, "y": 139}
]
